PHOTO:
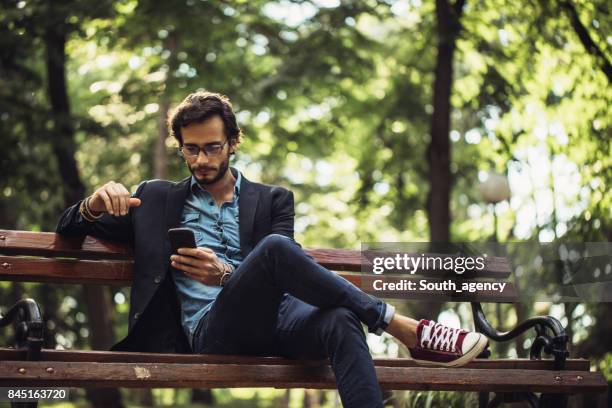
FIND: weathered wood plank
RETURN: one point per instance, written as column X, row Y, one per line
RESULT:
column 118, row 273
column 153, row 375
column 22, row 269
column 50, row 244
column 125, row 357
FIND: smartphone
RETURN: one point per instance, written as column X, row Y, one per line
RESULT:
column 181, row 238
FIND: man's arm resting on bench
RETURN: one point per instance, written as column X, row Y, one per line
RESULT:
column 116, row 228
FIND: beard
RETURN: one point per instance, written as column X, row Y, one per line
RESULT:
column 215, row 174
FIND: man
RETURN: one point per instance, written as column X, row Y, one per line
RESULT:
column 248, row 287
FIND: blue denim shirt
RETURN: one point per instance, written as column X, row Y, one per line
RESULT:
column 215, row 228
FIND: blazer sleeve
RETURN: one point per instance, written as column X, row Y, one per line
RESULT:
column 107, row 227
column 283, row 212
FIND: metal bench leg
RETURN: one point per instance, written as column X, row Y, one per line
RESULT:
column 29, row 328
column 483, row 397
column 550, row 338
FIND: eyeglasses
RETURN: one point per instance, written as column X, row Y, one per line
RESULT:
column 210, row 150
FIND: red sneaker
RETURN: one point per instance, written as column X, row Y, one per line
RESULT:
column 445, row 346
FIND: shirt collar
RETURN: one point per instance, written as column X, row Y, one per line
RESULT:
column 194, row 183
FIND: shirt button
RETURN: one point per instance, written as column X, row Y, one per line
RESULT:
column 136, row 316
column 157, row 279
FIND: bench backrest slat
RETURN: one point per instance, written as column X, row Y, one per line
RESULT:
column 41, row 257
column 120, row 273
column 49, row 244
column 117, row 273
column 55, row 245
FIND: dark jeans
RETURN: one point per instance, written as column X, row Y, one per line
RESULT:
column 281, row 302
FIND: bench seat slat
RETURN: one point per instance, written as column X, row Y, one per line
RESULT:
column 153, row 375
column 130, row 357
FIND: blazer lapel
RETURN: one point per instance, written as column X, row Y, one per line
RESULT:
column 247, row 204
column 177, row 194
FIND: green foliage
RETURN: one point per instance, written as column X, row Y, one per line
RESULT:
column 336, row 104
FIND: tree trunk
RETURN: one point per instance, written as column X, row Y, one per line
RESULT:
column 160, row 166
column 438, row 151
column 101, row 323
column 160, row 170
column 521, row 315
column 312, row 398
column 144, row 396
column 98, row 298
column 284, row 402
column 585, row 38
column 63, row 131
column 202, row 396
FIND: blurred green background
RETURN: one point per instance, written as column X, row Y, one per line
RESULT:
column 384, row 118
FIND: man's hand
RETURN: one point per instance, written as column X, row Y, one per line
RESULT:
column 200, row 264
column 113, row 198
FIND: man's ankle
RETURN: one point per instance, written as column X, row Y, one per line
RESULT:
column 404, row 329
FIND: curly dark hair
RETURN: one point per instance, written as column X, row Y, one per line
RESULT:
column 200, row 106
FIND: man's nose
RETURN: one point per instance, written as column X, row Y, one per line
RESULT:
column 202, row 158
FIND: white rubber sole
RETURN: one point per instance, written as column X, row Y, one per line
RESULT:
column 479, row 346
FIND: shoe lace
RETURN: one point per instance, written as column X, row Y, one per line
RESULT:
column 439, row 337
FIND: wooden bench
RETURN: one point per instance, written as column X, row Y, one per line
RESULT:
column 49, row 257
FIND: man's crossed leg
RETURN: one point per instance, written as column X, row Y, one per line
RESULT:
column 279, row 301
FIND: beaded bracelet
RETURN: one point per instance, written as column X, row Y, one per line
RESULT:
column 86, row 212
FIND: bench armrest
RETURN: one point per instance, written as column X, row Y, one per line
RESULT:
column 550, row 334
column 29, row 326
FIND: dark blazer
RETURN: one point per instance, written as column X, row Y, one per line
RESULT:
column 154, row 319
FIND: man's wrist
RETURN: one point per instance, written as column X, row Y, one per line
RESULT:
column 227, row 273
column 87, row 212
column 96, row 214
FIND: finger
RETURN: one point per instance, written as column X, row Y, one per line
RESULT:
column 123, row 198
column 114, row 196
column 195, row 252
column 201, row 253
column 189, row 269
column 178, row 265
column 107, row 201
column 134, row 202
column 187, row 260
column 187, row 251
